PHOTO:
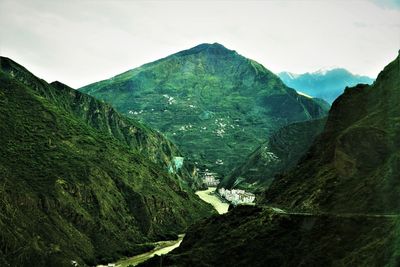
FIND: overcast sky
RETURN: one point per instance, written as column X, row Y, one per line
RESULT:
column 79, row 42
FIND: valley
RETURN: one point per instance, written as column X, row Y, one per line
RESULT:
column 164, row 247
column 81, row 182
column 160, row 248
column 336, row 207
column 203, row 142
column 229, row 133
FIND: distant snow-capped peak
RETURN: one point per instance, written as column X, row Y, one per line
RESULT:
column 325, row 70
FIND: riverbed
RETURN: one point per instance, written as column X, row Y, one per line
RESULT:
column 210, row 197
column 164, row 247
column 161, row 247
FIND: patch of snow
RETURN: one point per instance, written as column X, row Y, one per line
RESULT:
column 324, row 70
column 292, row 76
column 303, row 94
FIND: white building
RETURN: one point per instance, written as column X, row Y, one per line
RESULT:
column 209, row 178
column 237, row 196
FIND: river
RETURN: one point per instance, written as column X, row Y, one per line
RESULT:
column 161, row 247
column 210, row 197
column 164, row 247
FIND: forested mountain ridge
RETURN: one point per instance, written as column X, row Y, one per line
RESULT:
column 208, row 100
column 352, row 167
column 338, row 207
column 79, row 182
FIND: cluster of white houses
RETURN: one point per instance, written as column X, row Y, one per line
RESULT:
column 210, row 178
column 237, row 196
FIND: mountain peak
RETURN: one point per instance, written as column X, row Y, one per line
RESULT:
column 214, row 48
column 209, row 46
column 201, row 98
column 326, row 83
column 327, row 70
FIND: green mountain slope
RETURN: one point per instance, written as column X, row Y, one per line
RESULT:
column 353, row 166
column 80, row 182
column 215, row 104
column 339, row 206
column 327, row 85
column 279, row 154
column 255, row 236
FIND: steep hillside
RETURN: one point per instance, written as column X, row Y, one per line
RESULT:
column 338, row 207
column 279, row 154
column 215, row 104
column 327, row 85
column 353, row 166
column 80, row 182
column 254, row 236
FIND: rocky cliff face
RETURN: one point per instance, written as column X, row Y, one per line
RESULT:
column 215, row 104
column 338, row 207
column 80, row 182
column 278, row 155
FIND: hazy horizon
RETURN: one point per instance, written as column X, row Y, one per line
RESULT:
column 82, row 42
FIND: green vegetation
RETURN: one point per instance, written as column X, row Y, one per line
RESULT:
column 255, row 236
column 160, row 248
column 78, row 181
column 279, row 154
column 338, row 207
column 354, row 164
column 215, row 104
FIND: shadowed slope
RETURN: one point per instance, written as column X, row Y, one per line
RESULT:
column 338, row 207
column 80, row 182
column 354, row 165
column 279, row 154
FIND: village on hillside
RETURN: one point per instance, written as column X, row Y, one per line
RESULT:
column 234, row 196
column 237, row 196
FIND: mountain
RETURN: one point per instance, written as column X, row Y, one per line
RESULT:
column 352, row 166
column 215, row 104
column 279, row 154
column 338, row 207
column 79, row 181
column 324, row 84
column 260, row 236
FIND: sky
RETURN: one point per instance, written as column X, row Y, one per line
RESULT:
column 79, row 42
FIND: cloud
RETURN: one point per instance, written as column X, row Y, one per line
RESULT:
column 78, row 42
column 388, row 4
